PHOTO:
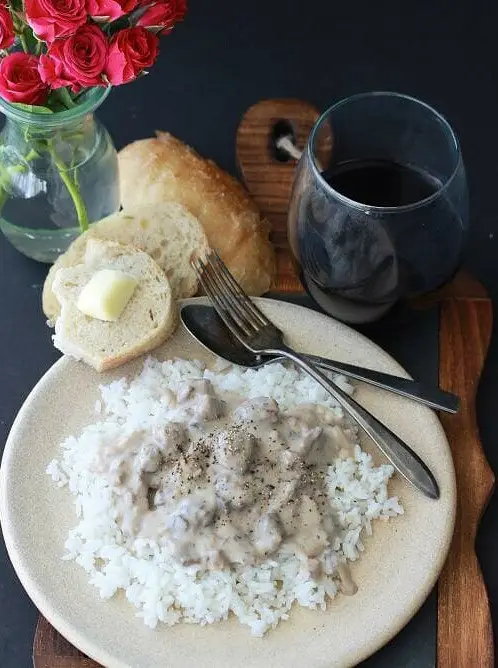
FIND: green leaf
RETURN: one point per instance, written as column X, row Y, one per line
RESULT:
column 32, row 108
column 33, row 43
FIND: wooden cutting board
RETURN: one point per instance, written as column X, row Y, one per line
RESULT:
column 464, row 630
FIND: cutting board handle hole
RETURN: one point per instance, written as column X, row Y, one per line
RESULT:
column 282, row 128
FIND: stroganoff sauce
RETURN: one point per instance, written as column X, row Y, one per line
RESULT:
column 229, row 483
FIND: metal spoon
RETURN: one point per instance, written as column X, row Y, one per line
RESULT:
column 209, row 330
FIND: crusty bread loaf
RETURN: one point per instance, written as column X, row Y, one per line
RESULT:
column 169, row 234
column 147, row 320
column 156, row 171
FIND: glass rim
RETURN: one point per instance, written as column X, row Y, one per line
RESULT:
column 93, row 99
column 366, row 208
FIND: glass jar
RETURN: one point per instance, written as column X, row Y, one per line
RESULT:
column 58, row 173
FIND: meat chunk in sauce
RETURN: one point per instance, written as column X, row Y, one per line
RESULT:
column 268, row 534
column 231, row 490
column 233, row 449
column 172, row 439
column 231, row 484
column 261, row 409
column 192, row 512
column 310, row 534
column 198, row 399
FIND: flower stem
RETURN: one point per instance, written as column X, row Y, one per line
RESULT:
column 24, row 44
column 3, row 196
column 74, row 191
column 66, row 98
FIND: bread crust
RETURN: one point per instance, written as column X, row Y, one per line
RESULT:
column 143, row 229
column 163, row 169
column 107, row 345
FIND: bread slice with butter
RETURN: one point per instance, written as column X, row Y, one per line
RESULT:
column 168, row 233
column 147, row 319
column 106, row 294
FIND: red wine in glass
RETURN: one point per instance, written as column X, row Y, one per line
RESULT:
column 366, row 232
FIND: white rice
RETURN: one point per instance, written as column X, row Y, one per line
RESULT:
column 161, row 589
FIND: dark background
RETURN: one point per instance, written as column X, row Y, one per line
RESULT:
column 228, row 55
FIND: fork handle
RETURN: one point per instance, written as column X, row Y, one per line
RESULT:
column 402, row 457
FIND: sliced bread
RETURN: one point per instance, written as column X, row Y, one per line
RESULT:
column 164, row 169
column 147, row 320
column 168, row 233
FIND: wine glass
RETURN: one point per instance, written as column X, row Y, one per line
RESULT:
column 379, row 206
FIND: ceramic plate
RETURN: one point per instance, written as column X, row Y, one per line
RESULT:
column 397, row 572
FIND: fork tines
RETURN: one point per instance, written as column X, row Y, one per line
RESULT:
column 230, row 301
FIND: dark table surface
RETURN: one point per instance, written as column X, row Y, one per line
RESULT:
column 227, row 56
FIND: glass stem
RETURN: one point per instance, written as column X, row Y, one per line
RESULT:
column 74, row 191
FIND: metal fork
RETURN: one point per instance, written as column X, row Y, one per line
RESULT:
column 253, row 329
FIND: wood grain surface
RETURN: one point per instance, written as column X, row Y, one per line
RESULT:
column 465, row 635
column 51, row 650
column 270, row 180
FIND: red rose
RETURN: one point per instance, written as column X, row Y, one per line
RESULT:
column 109, row 10
column 180, row 9
column 20, row 80
column 78, row 61
column 130, row 52
column 163, row 15
column 52, row 72
column 7, row 36
column 51, row 19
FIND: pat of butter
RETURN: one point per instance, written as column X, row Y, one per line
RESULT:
column 106, row 294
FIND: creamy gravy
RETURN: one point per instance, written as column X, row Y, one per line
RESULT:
column 229, row 483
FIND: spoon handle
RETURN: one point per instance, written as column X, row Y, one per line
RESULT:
column 401, row 456
column 429, row 396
